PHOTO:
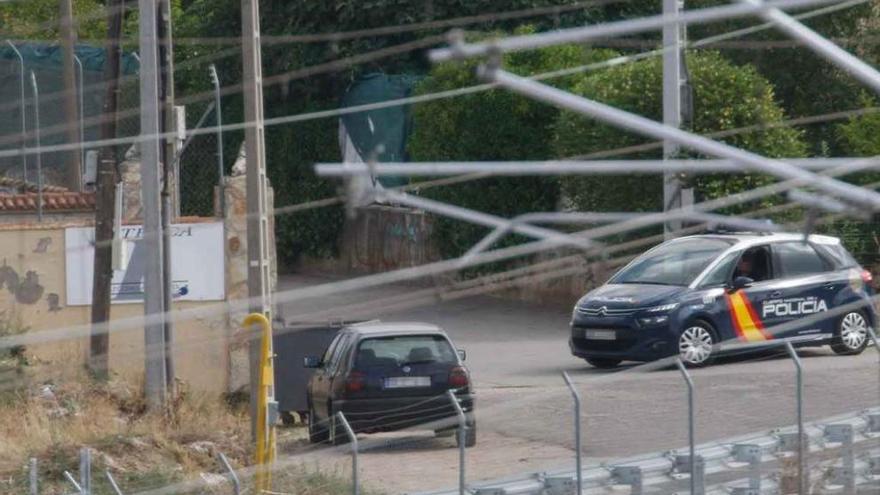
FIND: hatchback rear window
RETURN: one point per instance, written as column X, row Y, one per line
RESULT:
column 404, row 350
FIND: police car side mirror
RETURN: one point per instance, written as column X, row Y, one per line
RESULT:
column 462, row 354
column 741, row 283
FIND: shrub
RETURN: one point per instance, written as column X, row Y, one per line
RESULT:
column 490, row 125
column 726, row 96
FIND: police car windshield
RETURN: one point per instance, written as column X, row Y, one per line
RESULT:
column 676, row 263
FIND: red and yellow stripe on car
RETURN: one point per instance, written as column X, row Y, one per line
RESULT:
column 745, row 319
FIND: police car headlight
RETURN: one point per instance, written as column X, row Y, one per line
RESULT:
column 653, row 320
column 662, row 309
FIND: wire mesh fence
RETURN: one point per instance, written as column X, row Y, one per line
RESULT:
column 198, row 168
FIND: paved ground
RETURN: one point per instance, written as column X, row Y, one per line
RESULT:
column 516, row 353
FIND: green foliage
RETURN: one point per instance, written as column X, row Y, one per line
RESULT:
column 291, row 151
column 726, row 97
column 39, row 19
column 860, row 135
column 11, row 325
column 491, row 125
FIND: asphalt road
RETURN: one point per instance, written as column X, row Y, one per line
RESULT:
column 516, row 353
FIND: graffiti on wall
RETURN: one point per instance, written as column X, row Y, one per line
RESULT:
column 384, row 239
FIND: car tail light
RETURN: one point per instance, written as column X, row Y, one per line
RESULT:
column 458, row 377
column 867, row 277
column 355, row 382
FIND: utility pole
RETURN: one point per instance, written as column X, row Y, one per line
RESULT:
column 154, row 330
column 166, row 61
column 259, row 290
column 105, row 198
column 73, row 171
column 673, row 89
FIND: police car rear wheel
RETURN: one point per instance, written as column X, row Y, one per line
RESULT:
column 695, row 345
column 852, row 334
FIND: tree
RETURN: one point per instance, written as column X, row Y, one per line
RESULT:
column 490, row 125
column 726, row 96
column 38, row 19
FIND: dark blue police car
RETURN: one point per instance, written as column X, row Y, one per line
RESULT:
column 689, row 295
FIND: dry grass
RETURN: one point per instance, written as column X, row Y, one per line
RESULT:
column 52, row 421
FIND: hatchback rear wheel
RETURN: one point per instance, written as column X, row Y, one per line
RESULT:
column 852, row 334
column 696, row 344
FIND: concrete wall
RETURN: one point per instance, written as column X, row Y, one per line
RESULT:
column 33, row 292
column 210, row 350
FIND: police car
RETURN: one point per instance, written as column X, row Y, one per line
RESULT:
column 694, row 296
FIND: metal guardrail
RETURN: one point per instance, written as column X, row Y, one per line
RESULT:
column 745, row 465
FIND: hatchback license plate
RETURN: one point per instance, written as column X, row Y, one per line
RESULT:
column 408, row 382
column 600, row 334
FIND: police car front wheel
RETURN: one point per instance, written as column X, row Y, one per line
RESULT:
column 696, row 344
column 852, row 334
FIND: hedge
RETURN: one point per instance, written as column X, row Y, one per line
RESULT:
column 490, row 125
column 726, row 96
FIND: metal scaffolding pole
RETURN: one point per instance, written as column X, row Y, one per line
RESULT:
column 672, row 85
column 571, row 167
column 22, row 109
column 154, row 332
column 648, row 127
column 821, row 45
column 584, row 34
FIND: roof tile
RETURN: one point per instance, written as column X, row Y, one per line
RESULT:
column 52, row 201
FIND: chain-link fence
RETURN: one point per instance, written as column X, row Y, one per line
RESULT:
column 198, row 167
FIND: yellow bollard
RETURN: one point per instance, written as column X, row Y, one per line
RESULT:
column 265, row 452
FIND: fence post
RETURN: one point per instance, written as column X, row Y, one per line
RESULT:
column 695, row 467
column 873, row 335
column 462, row 426
column 113, row 483
column 577, row 430
column 82, row 131
column 802, row 472
column 39, row 149
column 215, row 79
column 22, row 108
column 85, row 470
column 32, row 471
column 236, row 483
column 750, row 453
column 354, row 451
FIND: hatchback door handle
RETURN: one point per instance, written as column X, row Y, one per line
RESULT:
column 776, row 294
column 829, row 286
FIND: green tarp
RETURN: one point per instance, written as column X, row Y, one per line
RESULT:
column 381, row 133
column 46, row 63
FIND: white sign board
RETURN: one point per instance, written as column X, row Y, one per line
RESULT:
column 197, row 264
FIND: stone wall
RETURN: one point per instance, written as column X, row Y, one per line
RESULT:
column 33, row 296
column 237, row 273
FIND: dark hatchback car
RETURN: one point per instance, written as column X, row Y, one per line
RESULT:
column 699, row 296
column 386, row 377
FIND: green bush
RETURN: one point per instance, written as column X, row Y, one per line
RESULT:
column 490, row 125
column 291, row 152
column 859, row 136
column 726, row 96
